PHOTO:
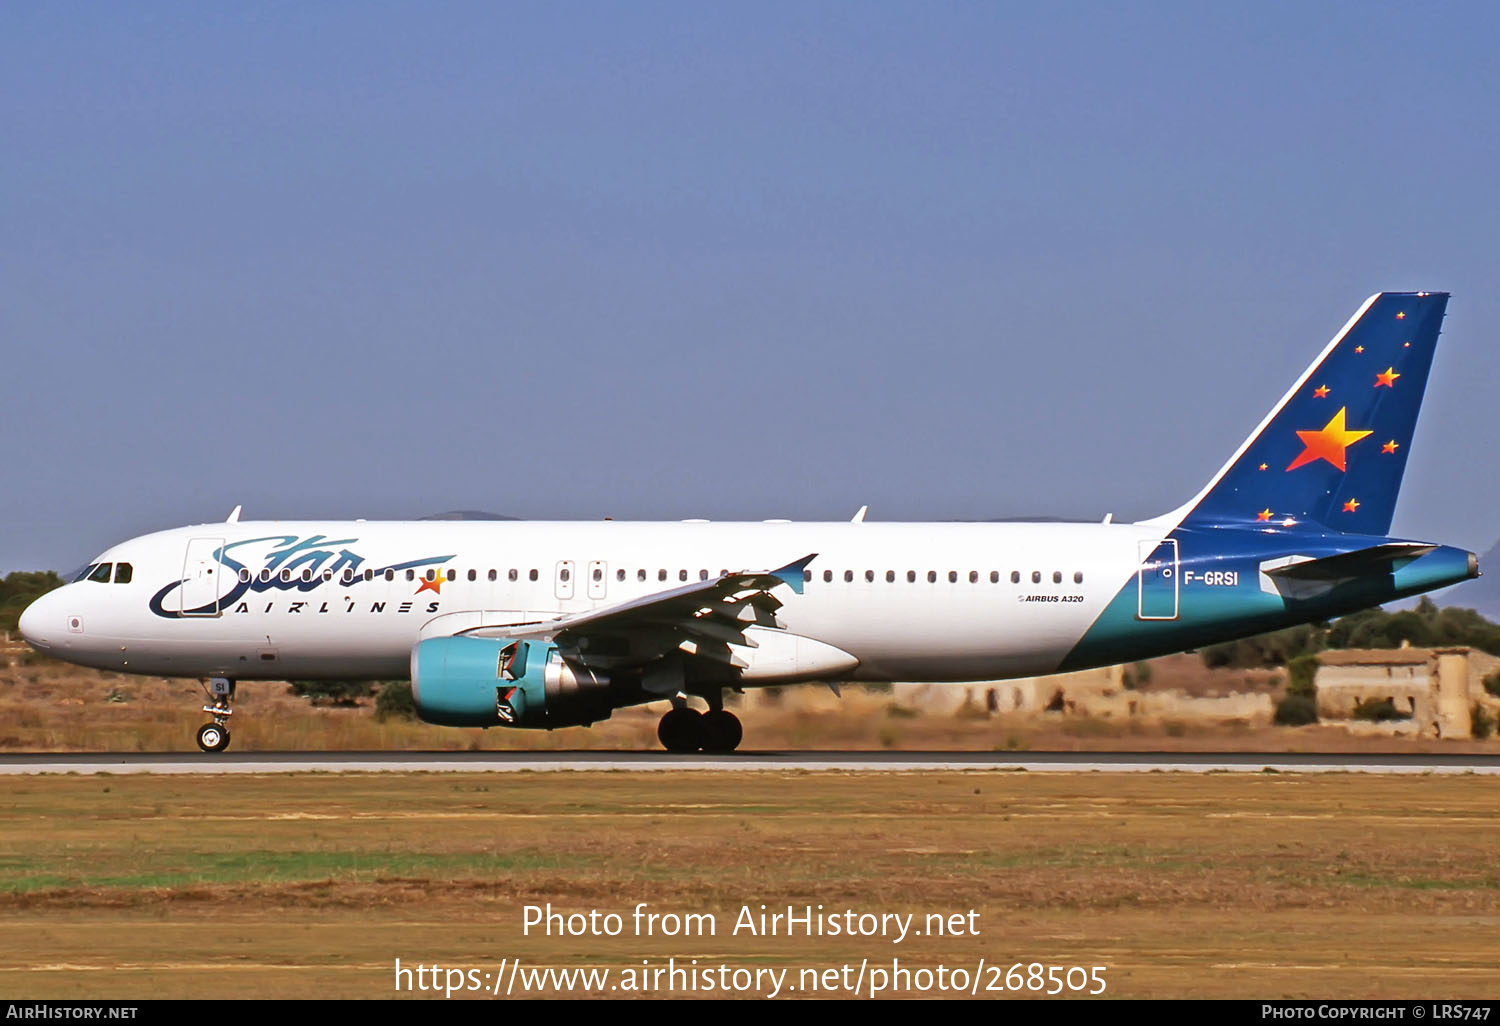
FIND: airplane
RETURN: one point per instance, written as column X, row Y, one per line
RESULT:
column 556, row 624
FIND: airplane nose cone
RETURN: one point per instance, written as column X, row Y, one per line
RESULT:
column 36, row 624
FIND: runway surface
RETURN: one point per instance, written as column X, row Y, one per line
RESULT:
column 847, row 762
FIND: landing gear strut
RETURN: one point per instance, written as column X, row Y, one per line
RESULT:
column 214, row 737
column 716, row 732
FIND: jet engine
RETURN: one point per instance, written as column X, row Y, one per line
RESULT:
column 483, row 682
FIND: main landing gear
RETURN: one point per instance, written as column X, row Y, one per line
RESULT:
column 214, row 737
column 685, row 729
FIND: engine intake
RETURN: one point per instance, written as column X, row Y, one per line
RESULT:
column 482, row 682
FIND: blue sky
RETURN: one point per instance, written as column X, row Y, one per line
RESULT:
column 956, row 261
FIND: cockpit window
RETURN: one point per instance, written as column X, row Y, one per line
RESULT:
column 123, row 573
column 101, row 573
column 83, row 574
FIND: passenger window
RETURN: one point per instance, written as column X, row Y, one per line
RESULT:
column 661, row 575
column 494, row 575
column 890, row 577
column 682, row 575
column 473, row 575
column 1036, row 577
column 702, row 575
column 640, row 574
column 411, row 575
column 952, row 576
column 390, row 575
column 453, row 575
column 327, row 575
column 286, row 575
column 973, row 576
column 431, row 575
column 932, row 577
column 619, row 575
column 827, row 576
column 1057, row 577
column 911, row 577
column 869, row 576
column 994, row 576
column 245, row 575
column 806, row 575
column 123, row 572
column 1078, row 577
column 564, row 574
column 1015, row 577
column 370, row 574
column 531, row 575
column 306, row 576
column 848, row 576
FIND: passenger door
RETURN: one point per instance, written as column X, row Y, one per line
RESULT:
column 1157, row 581
column 201, row 571
column 564, row 579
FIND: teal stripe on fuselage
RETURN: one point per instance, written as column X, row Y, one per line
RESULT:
column 1209, row 614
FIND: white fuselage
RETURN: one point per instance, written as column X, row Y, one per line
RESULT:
column 936, row 602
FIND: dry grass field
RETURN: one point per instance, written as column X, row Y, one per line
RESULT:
column 1181, row 885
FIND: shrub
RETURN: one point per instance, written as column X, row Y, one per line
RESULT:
column 333, row 692
column 1264, row 650
column 1492, row 684
column 1299, row 676
column 1297, row 710
column 1481, row 722
column 1137, row 675
column 394, row 701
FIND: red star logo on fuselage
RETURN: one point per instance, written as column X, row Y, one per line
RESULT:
column 1328, row 444
column 435, row 585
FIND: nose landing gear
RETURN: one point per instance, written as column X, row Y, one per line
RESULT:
column 214, row 737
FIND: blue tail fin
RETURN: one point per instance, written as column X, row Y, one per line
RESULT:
column 1334, row 449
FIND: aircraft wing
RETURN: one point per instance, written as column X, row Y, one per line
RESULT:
column 702, row 618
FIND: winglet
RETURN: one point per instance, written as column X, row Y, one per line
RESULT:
column 859, row 517
column 234, row 516
column 792, row 573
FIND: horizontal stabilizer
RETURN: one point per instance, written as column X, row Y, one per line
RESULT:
column 1361, row 562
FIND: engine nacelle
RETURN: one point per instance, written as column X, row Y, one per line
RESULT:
column 481, row 682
